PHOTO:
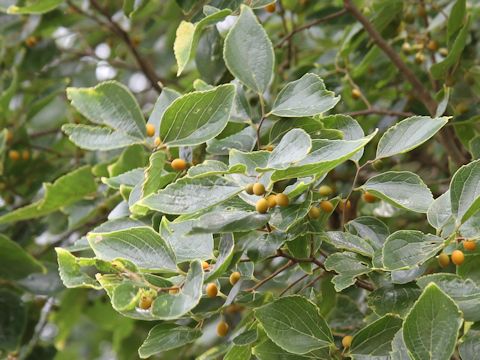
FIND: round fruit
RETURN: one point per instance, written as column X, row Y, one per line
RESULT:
column 25, row 155
column 205, row 265
column 326, row 206
column 325, row 190
column 212, row 290
column 347, row 341
column 443, row 260
column 234, row 277
column 469, row 245
column 270, row 8
column 344, row 205
column 369, row 197
column 419, row 58
column 150, row 130
column 314, row 212
column 174, row 290
column 14, row 155
column 31, row 41
column 262, row 206
column 179, row 164
column 249, row 189
column 406, row 47
column 356, row 93
column 378, row 165
column 222, row 328
column 258, row 189
column 443, row 51
column 458, row 257
column 282, row 200
column 269, row 147
column 145, row 302
column 432, row 45
column 272, row 201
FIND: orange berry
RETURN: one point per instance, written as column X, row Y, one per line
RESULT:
column 419, row 58
column 234, row 277
column 150, row 130
column 326, row 206
column 222, row 329
column 325, row 190
column 347, row 341
column 258, row 189
column 432, row 45
column 443, row 260
column 356, row 94
column 14, row 155
column 249, row 189
column 271, row 7
column 205, row 265
column 282, row 199
column 344, row 205
column 269, row 147
column 262, row 206
column 25, row 155
column 369, row 197
column 469, row 245
column 145, row 302
column 272, row 201
column 314, row 212
column 31, row 41
column 211, row 290
column 179, row 164
column 457, row 257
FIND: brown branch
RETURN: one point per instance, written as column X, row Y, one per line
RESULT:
column 290, row 263
column 447, row 135
column 309, row 25
column 143, row 63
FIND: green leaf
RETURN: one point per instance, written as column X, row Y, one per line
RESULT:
column 39, row 7
column 294, row 324
column 13, row 320
column 237, row 352
column 440, row 69
column 283, row 218
column 15, row 262
column 346, row 241
column 188, row 35
column 306, row 96
column 376, row 338
column 465, row 191
column 214, row 167
column 325, row 155
column 146, row 248
column 165, row 337
column 189, row 195
column 406, row 248
column 246, row 338
column 243, row 141
column 168, row 307
column 470, row 346
column 402, row 189
column 395, row 299
column 408, row 134
column 65, row 191
column 465, row 293
column 348, row 266
column 349, row 127
column 197, row 117
column 293, row 147
column 224, row 258
column 129, row 178
column 153, row 173
column 399, row 349
column 70, row 271
column 248, row 52
column 431, row 328
column 370, row 228
column 186, row 246
column 163, row 102
column 225, row 221
column 456, row 18
column 440, row 211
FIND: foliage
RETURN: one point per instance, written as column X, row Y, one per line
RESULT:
column 271, row 180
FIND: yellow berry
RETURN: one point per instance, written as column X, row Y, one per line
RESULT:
column 443, row 260
column 211, row 290
column 347, row 341
column 179, row 164
column 457, row 257
column 205, row 265
column 282, row 199
column 145, row 302
column 249, row 189
column 356, row 94
column 272, row 201
column 222, row 329
column 25, row 155
column 150, row 130
column 469, row 245
column 325, row 190
column 262, row 206
column 157, row 142
column 369, row 197
column 314, row 212
column 234, row 277
column 14, row 155
column 258, row 189
column 419, row 58
column 31, row 41
column 432, row 45
column 326, row 206
column 269, row 147
column 270, row 8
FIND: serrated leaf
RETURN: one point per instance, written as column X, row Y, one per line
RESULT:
column 470, row 346
column 165, row 337
column 224, row 258
column 15, row 262
column 188, row 35
column 146, row 248
column 243, row 141
column 399, row 349
column 153, row 173
column 325, row 155
column 197, row 117
column 348, row 266
column 129, row 178
column 349, row 127
column 267, row 350
column 214, row 167
column 402, row 189
column 163, row 102
column 186, row 246
column 70, row 271
column 293, row 147
column 189, row 195
column 405, row 249
column 369, row 227
column 465, row 293
column 294, row 324
column 167, row 306
column 346, row 241
column 306, row 96
column 376, row 338
column 431, row 328
column 66, row 190
column 396, row 299
column 237, row 352
column 226, row 221
column 440, row 212
column 408, row 134
column 465, row 191
column 284, row 218
column 248, row 52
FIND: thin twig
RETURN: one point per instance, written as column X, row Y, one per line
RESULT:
column 290, row 263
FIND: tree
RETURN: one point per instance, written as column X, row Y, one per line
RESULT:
column 275, row 179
